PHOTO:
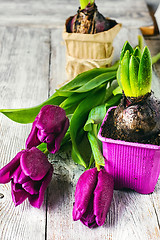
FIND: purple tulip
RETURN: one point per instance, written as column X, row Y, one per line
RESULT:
column 93, row 196
column 49, row 127
column 29, row 173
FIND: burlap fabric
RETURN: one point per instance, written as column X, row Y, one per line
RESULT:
column 87, row 51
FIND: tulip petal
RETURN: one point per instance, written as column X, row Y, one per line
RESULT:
column 88, row 217
column 31, row 187
column 34, row 164
column 51, row 118
column 42, row 135
column 16, row 187
column 103, row 195
column 7, row 171
column 32, row 140
column 37, row 200
column 84, row 189
column 18, row 196
column 54, row 146
column 22, row 178
column 16, row 174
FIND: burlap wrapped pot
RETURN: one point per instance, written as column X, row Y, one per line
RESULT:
column 87, row 51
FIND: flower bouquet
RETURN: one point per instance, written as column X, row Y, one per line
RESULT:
column 71, row 118
column 89, row 39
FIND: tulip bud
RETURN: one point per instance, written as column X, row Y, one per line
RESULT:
column 49, row 127
column 93, row 196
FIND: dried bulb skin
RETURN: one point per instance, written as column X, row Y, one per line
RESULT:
column 89, row 21
column 137, row 118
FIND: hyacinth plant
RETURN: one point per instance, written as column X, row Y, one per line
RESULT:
column 88, row 20
column 134, row 73
column 137, row 118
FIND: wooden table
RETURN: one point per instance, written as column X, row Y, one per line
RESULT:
column 32, row 65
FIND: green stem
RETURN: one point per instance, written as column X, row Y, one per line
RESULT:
column 155, row 58
column 92, row 137
column 46, row 152
column 95, row 129
column 97, row 166
column 140, row 42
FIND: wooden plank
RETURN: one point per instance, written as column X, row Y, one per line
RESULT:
column 49, row 14
column 58, row 60
column 24, row 64
column 131, row 216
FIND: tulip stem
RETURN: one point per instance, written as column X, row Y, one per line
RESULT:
column 97, row 166
column 46, row 152
column 95, row 129
column 155, row 58
column 97, row 154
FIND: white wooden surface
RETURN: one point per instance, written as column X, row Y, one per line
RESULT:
column 52, row 13
column 23, row 81
column 32, row 65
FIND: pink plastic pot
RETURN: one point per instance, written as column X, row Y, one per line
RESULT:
column 133, row 165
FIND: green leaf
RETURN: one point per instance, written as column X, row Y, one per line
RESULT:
column 74, row 99
column 99, row 159
column 133, row 74
column 91, row 161
column 84, row 150
column 137, row 53
column 117, row 90
column 84, row 3
column 145, row 72
column 63, row 93
column 84, row 78
column 113, row 101
column 96, row 116
column 96, row 82
column 126, row 47
column 110, row 88
column 80, row 116
column 77, row 158
column 119, row 76
column 27, row 115
column 66, row 138
column 124, row 74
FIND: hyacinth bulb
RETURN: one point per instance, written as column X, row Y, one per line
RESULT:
column 89, row 21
